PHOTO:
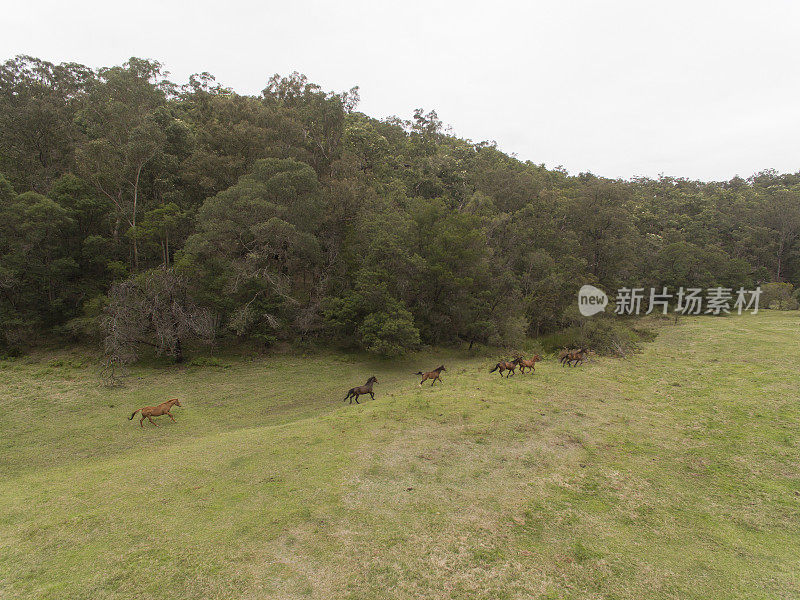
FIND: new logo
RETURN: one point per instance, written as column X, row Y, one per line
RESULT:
column 591, row 300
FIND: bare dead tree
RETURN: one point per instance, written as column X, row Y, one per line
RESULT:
column 153, row 309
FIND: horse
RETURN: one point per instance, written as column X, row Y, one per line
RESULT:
column 525, row 363
column 562, row 356
column 148, row 412
column 436, row 375
column 354, row 393
column 576, row 356
column 505, row 365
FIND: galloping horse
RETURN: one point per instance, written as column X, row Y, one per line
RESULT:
column 562, row 356
column 354, row 393
column 156, row 411
column 505, row 365
column 435, row 375
column 525, row 363
column 570, row 356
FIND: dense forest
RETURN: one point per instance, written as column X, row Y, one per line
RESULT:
column 151, row 214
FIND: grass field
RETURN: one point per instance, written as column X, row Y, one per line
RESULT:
column 673, row 474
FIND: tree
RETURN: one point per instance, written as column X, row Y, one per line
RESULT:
column 38, row 288
column 123, row 136
column 256, row 255
column 153, row 309
column 38, row 133
column 782, row 216
column 602, row 220
column 320, row 115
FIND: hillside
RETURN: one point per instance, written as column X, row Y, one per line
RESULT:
column 673, row 474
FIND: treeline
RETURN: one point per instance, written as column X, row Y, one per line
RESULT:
column 149, row 213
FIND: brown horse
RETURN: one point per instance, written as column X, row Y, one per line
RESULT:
column 148, row 412
column 436, row 375
column 505, row 365
column 354, row 393
column 574, row 356
column 525, row 363
column 562, row 356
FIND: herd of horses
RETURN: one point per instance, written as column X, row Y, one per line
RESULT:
column 567, row 357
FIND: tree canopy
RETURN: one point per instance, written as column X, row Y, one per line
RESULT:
column 291, row 215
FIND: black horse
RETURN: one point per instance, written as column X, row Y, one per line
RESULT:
column 355, row 392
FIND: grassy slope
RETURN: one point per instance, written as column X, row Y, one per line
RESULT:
column 670, row 475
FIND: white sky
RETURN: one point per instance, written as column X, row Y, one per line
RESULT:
column 700, row 89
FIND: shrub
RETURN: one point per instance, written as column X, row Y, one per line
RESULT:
column 778, row 296
column 389, row 333
column 603, row 334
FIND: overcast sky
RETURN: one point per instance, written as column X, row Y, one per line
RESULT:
column 699, row 89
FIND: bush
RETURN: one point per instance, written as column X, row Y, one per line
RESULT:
column 603, row 334
column 778, row 296
column 389, row 333
column 510, row 331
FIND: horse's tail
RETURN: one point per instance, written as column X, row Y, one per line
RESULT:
column 417, row 373
column 133, row 414
column 497, row 366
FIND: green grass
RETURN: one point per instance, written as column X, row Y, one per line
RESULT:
column 673, row 474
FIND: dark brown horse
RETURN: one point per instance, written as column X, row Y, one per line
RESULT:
column 574, row 357
column 436, row 375
column 529, row 363
column 354, row 393
column 148, row 412
column 505, row 365
column 562, row 356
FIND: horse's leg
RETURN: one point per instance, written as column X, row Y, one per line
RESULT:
column 153, row 422
column 140, row 421
column 356, row 397
column 169, row 414
column 371, row 395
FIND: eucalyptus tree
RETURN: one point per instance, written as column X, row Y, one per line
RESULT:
column 38, row 134
column 256, row 255
column 123, row 137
